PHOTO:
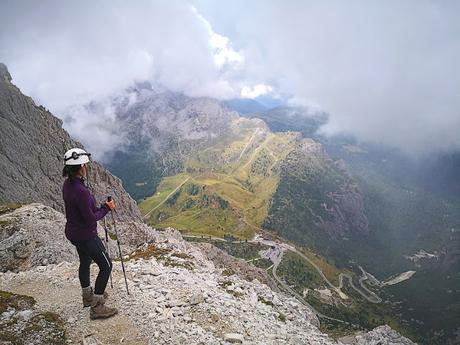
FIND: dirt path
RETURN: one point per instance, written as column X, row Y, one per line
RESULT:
column 249, row 142
column 167, row 197
column 63, row 296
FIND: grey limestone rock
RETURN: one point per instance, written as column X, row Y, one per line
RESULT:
column 32, row 144
column 382, row 335
column 33, row 235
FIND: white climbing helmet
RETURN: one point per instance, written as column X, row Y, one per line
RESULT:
column 76, row 156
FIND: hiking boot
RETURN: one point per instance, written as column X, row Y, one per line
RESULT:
column 99, row 310
column 87, row 296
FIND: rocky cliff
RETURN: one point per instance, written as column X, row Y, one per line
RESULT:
column 23, row 244
column 32, row 144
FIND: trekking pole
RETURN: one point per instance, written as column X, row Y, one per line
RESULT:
column 109, row 198
column 108, row 248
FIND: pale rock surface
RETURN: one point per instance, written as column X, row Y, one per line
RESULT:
column 382, row 335
column 33, row 235
column 177, row 295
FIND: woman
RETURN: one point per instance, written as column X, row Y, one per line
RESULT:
column 81, row 230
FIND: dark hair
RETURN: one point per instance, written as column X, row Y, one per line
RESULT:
column 70, row 170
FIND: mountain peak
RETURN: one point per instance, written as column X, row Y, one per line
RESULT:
column 4, row 74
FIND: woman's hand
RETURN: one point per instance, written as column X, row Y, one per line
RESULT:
column 110, row 204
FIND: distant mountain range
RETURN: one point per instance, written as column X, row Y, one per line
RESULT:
column 238, row 160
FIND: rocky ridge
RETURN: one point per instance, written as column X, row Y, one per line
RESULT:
column 317, row 200
column 23, row 244
column 176, row 296
column 33, row 235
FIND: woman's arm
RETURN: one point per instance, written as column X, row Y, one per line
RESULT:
column 88, row 210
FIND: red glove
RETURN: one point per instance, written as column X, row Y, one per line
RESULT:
column 110, row 204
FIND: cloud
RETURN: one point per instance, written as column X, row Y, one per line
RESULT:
column 68, row 54
column 386, row 71
column 255, row 91
column 222, row 50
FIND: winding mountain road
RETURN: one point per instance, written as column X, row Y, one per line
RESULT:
column 370, row 296
column 297, row 295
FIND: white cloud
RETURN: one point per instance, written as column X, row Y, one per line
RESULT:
column 222, row 50
column 223, row 54
column 87, row 51
column 386, row 71
column 255, row 91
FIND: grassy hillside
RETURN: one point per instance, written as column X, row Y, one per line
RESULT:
column 250, row 179
column 226, row 187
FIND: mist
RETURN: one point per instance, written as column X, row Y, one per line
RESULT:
column 385, row 71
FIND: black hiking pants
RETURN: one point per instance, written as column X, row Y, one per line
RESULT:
column 93, row 250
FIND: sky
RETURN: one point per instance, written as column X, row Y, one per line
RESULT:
column 385, row 71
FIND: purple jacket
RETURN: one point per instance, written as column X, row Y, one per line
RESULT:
column 80, row 210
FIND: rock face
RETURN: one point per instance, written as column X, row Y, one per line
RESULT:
column 451, row 257
column 32, row 144
column 347, row 208
column 33, row 235
column 162, row 115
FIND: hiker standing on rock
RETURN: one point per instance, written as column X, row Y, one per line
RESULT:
column 81, row 230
